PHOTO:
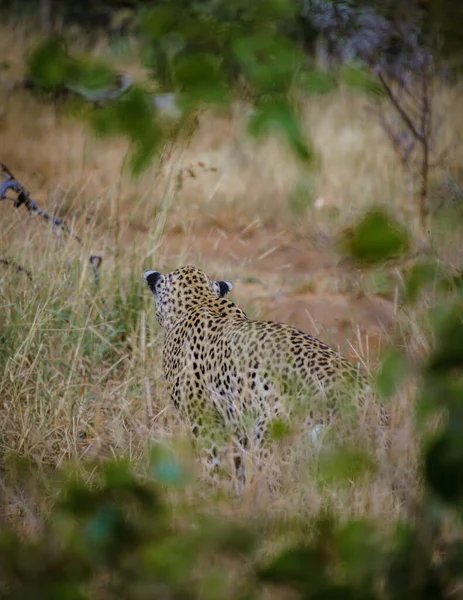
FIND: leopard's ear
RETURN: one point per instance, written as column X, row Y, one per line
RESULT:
column 151, row 278
column 224, row 288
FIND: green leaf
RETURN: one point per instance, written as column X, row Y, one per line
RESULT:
column 317, row 81
column 170, row 560
column 392, row 371
column 278, row 116
column 279, row 429
column 165, row 467
column 345, row 465
column 444, row 465
column 104, row 525
column 359, row 552
column 49, row 64
column 92, row 76
column 419, row 276
column 159, row 20
column 268, row 62
column 377, row 237
column 298, row 567
column 361, row 79
column 448, row 352
column 132, row 115
column 200, row 79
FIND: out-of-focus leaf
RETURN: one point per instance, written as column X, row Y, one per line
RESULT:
column 439, row 393
column 49, row 64
column 132, row 115
column 279, row 429
column 200, row 78
column 448, row 352
column 392, row 372
column 419, row 276
column 409, row 570
column 172, row 559
column 102, row 528
column 345, row 465
column 159, row 20
column 165, row 467
column 269, row 63
column 92, row 76
column 444, row 465
column 361, row 79
column 278, row 116
column 359, row 552
column 377, row 237
column 299, row 568
column 452, row 283
column 317, row 81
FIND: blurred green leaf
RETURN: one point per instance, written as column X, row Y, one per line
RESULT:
column 360, row 553
column 317, row 81
column 165, row 467
column 444, row 465
column 448, row 351
column 132, row 115
column 377, row 237
column 269, row 63
column 171, row 560
column 345, row 465
column 105, row 525
column 299, row 567
column 279, row 429
column 49, row 64
column 392, row 371
column 91, row 76
column 409, row 570
column 419, row 276
column 200, row 79
column 439, row 394
column 159, row 20
column 361, row 79
column 278, row 116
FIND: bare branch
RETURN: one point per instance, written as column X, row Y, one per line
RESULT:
column 19, row 269
column 406, row 118
column 23, row 197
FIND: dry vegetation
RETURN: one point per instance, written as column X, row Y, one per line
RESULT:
column 80, row 370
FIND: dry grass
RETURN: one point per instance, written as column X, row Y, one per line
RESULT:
column 80, row 371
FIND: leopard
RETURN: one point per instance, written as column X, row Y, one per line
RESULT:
column 237, row 381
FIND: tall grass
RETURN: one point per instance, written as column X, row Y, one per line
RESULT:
column 80, row 368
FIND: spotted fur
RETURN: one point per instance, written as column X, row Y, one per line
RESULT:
column 232, row 377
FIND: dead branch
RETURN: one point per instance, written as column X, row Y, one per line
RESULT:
column 10, row 182
column 23, row 197
column 408, row 120
column 19, row 269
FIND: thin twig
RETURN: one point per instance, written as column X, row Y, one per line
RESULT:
column 406, row 118
column 23, row 197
